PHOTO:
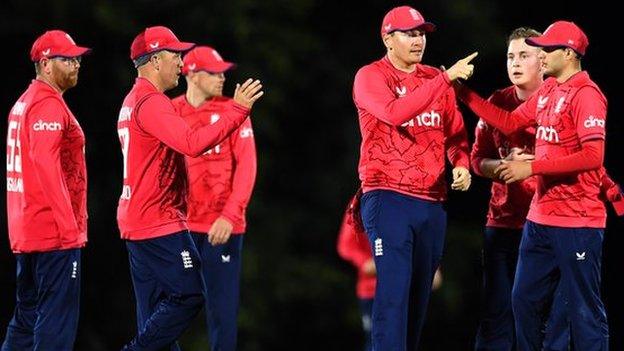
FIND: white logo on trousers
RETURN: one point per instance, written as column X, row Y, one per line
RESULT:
column 186, row 259
column 378, row 247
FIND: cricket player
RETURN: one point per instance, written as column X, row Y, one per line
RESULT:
column 164, row 263
column 46, row 200
column 353, row 246
column 220, row 181
column 561, row 243
column 509, row 203
column 409, row 121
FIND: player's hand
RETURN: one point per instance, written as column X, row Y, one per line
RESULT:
column 519, row 154
column 462, row 69
column 513, row 171
column 461, row 179
column 248, row 93
column 369, row 267
column 220, row 231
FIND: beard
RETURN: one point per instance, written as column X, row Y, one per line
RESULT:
column 68, row 80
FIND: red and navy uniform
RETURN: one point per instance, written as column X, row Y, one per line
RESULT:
column 353, row 246
column 562, row 239
column 508, row 207
column 409, row 123
column 220, row 182
column 47, row 217
column 164, row 261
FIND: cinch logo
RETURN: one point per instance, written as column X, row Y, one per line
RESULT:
column 426, row 119
column 378, row 247
column 547, row 133
column 580, row 256
column 592, row 121
column 51, row 126
column 225, row 258
column 18, row 108
column 186, row 259
column 246, row 133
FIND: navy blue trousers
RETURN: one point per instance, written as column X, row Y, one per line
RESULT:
column 168, row 287
column 366, row 310
column 500, row 254
column 407, row 237
column 558, row 274
column 48, row 302
column 221, row 271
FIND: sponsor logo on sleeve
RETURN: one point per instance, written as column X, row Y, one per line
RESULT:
column 246, row 133
column 592, row 122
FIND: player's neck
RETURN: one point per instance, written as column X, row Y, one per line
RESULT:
column 568, row 72
column 152, row 77
column 400, row 64
column 195, row 97
column 50, row 82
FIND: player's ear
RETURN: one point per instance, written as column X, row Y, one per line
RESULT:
column 387, row 40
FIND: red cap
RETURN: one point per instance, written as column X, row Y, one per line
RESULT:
column 562, row 34
column 155, row 39
column 404, row 18
column 55, row 43
column 205, row 58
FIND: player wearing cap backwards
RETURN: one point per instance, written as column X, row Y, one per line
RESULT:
column 409, row 121
column 46, row 200
column 220, row 184
column 562, row 237
column 164, row 262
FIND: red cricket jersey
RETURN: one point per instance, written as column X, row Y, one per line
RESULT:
column 154, row 140
column 565, row 115
column 408, row 121
column 46, row 173
column 509, row 203
column 353, row 246
column 221, row 180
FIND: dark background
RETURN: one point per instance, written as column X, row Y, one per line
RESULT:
column 296, row 293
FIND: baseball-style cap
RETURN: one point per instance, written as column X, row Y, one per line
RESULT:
column 562, row 34
column 54, row 43
column 405, row 18
column 205, row 58
column 154, row 39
